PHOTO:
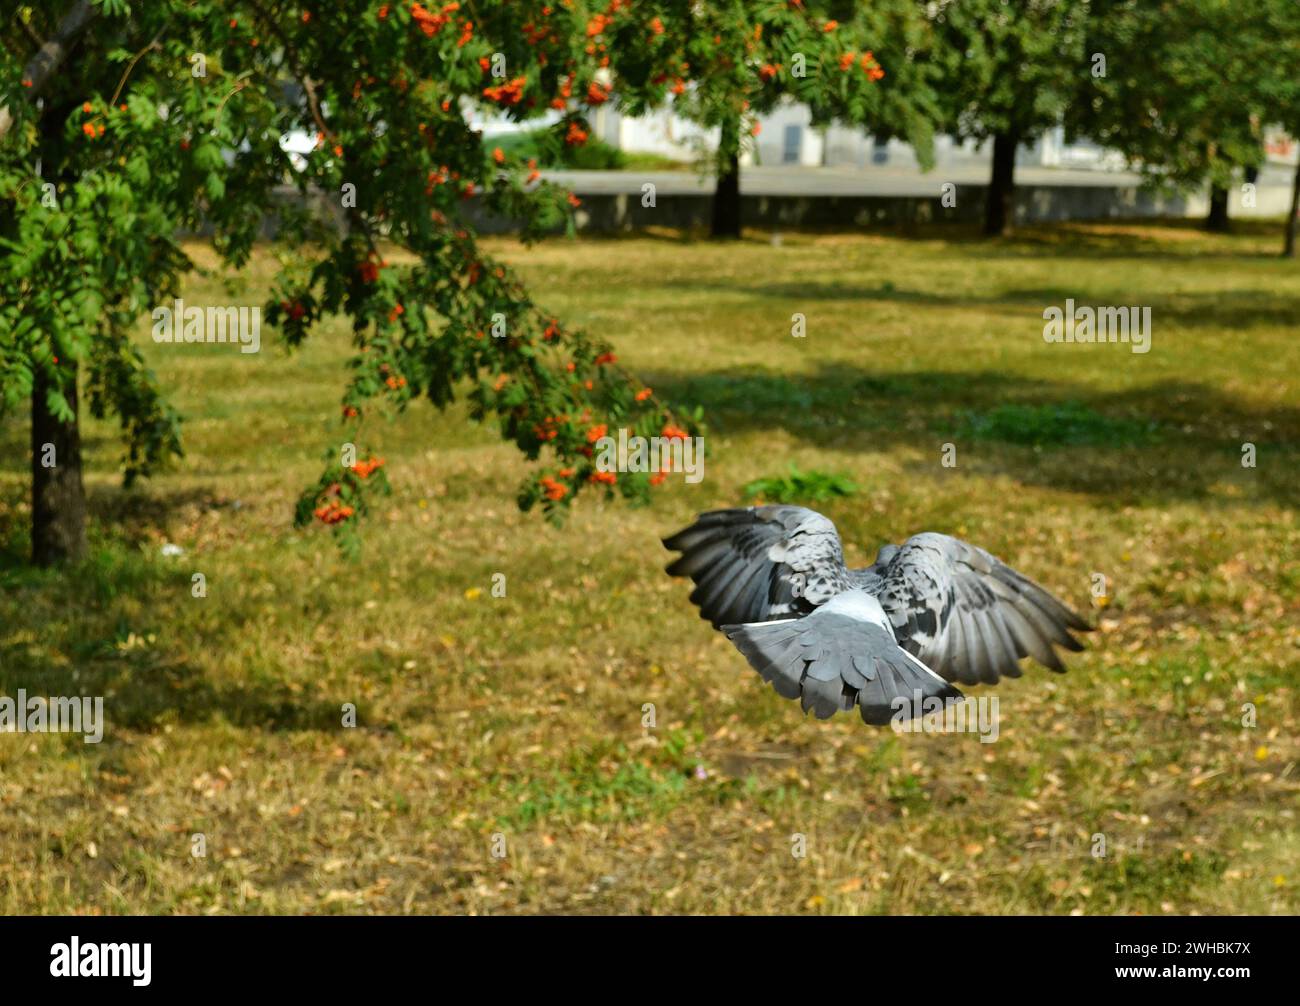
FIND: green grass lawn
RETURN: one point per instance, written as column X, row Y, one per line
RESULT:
column 521, row 717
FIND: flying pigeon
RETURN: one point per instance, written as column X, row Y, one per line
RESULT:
column 887, row 638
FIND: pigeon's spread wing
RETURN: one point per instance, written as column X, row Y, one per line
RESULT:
column 842, row 655
column 969, row 616
column 756, row 564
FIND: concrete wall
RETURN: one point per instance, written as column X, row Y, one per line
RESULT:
column 615, row 212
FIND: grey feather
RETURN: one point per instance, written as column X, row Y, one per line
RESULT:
column 843, row 654
column 773, row 579
column 969, row 616
column 756, row 564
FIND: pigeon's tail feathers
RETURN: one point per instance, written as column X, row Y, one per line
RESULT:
column 833, row 660
column 917, row 690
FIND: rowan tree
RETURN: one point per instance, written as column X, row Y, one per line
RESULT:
column 124, row 123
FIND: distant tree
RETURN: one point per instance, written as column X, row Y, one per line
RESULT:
column 1186, row 94
column 1281, row 92
column 736, row 60
column 1293, row 215
column 1008, row 72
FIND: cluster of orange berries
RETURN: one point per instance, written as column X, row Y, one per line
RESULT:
column 545, row 430
column 368, row 467
column 576, row 136
column 566, row 91
column 605, row 358
column 533, row 34
column 658, row 477
column 868, row 63
column 92, row 129
column 552, row 331
column 769, row 71
column 596, row 432
column 644, row 393
column 597, row 94
column 555, row 490
column 672, row 432
column 295, row 310
column 509, row 93
column 439, row 177
column 429, row 22
column 333, row 512
column 369, row 270
column 395, row 382
column 607, row 477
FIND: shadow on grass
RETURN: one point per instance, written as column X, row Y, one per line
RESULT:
column 1138, row 238
column 1227, row 311
column 1172, row 440
column 135, row 516
column 1119, row 238
column 16, row 447
column 134, row 513
column 89, row 629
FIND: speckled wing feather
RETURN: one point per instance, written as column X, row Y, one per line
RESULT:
column 968, row 615
column 755, row 564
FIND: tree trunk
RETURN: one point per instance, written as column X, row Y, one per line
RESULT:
column 58, row 497
column 1217, row 219
column 1288, row 247
column 726, row 193
column 1000, row 204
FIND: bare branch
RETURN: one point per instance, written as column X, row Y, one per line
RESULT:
column 122, row 83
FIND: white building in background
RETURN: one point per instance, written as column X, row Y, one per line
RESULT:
column 787, row 137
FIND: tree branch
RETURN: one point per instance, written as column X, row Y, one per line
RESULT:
column 41, row 66
column 122, row 83
column 356, row 220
